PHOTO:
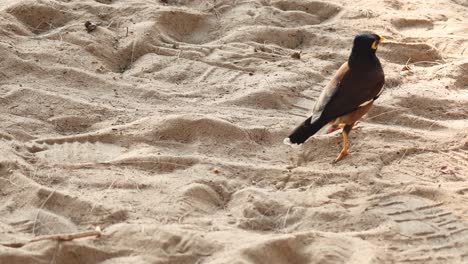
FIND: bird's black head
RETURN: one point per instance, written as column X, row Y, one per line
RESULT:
column 363, row 52
column 367, row 42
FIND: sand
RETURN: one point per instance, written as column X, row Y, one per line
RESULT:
column 164, row 128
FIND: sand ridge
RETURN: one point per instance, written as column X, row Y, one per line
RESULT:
column 164, row 128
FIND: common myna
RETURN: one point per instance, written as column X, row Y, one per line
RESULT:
column 348, row 96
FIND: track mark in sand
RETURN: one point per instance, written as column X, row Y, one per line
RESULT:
column 73, row 123
column 281, row 250
column 5, row 90
column 448, row 167
column 106, row 2
column 213, row 73
column 41, row 222
column 167, row 244
column 291, row 38
column 434, row 108
column 84, row 151
column 460, row 2
column 194, row 28
column 460, row 157
column 381, row 114
column 159, row 163
column 194, row 128
column 210, row 71
column 236, row 76
column 302, row 248
column 256, row 210
column 399, row 116
column 80, row 138
column 53, row 252
column 264, row 99
column 173, row 128
column 415, row 52
column 79, row 152
column 50, row 109
column 412, row 23
column 279, row 91
column 40, row 18
column 427, row 226
column 322, row 10
column 458, row 71
column 202, row 198
column 39, row 209
column 161, row 67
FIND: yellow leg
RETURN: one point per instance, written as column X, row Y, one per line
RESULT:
column 344, row 151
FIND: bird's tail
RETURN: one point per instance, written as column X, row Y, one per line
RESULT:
column 305, row 130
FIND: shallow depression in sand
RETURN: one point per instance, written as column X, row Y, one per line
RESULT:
column 76, row 152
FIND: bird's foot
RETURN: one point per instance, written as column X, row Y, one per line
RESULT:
column 356, row 125
column 342, row 154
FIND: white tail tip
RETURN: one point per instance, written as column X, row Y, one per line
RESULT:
column 287, row 141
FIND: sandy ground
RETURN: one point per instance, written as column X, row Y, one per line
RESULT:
column 164, row 128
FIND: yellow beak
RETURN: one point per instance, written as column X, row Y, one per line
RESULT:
column 381, row 38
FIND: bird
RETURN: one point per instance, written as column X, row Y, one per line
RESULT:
column 348, row 96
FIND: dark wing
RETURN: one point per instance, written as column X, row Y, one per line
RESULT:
column 315, row 122
column 328, row 92
column 355, row 89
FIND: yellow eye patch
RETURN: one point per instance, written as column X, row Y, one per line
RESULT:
column 374, row 44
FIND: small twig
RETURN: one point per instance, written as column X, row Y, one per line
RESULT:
column 35, row 173
column 11, row 181
column 433, row 123
column 55, row 253
column 68, row 237
column 133, row 51
column 58, row 237
column 307, row 97
column 404, row 154
column 110, row 24
column 407, row 66
column 38, row 25
column 391, row 111
column 104, row 193
column 182, row 217
column 286, row 217
column 39, row 211
column 268, row 83
column 429, row 62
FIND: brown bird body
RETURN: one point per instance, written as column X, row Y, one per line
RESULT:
column 349, row 95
